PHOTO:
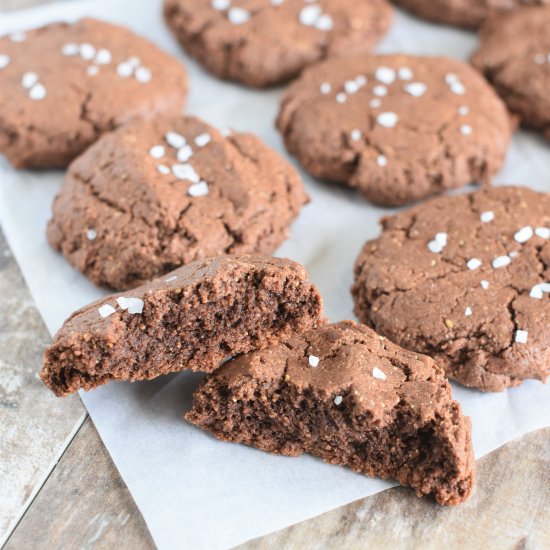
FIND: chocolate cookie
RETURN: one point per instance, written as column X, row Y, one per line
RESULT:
column 193, row 319
column 515, row 57
column 350, row 397
column 267, row 42
column 64, row 85
column 465, row 279
column 397, row 127
column 465, row 13
column 162, row 192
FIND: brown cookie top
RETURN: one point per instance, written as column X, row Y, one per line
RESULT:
column 465, row 279
column 396, row 127
column 349, row 361
column 465, row 13
column 515, row 57
column 162, row 192
column 345, row 394
column 193, row 318
column 267, row 42
column 95, row 74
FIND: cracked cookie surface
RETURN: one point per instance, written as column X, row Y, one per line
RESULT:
column 514, row 55
column 396, row 127
column 193, row 319
column 64, row 85
column 162, row 192
column 268, row 42
column 350, row 397
column 465, row 13
column 466, row 280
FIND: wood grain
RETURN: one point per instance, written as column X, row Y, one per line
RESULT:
column 509, row 509
column 34, row 425
column 85, row 504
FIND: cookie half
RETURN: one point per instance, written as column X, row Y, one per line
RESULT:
column 465, row 279
column 464, row 13
column 350, row 397
column 194, row 319
column 166, row 191
column 514, row 55
column 64, row 85
column 396, row 127
column 262, row 42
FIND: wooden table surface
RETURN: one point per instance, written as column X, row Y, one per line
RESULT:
column 60, row 489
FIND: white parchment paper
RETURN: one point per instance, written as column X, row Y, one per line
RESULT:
column 193, row 491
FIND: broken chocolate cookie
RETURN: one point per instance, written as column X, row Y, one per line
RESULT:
column 350, row 397
column 194, row 318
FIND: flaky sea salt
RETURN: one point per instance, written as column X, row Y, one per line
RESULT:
column 473, row 264
column 199, row 189
column 524, row 234
column 105, row 310
column 501, row 261
column 379, row 374
column 157, row 151
column 313, row 361
column 175, row 140
column 203, row 139
column 132, row 305
column 522, row 336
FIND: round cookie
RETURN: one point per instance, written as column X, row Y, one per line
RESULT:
column 266, row 42
column 464, row 13
column 397, row 127
column 515, row 57
column 63, row 85
column 465, row 279
column 159, row 193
